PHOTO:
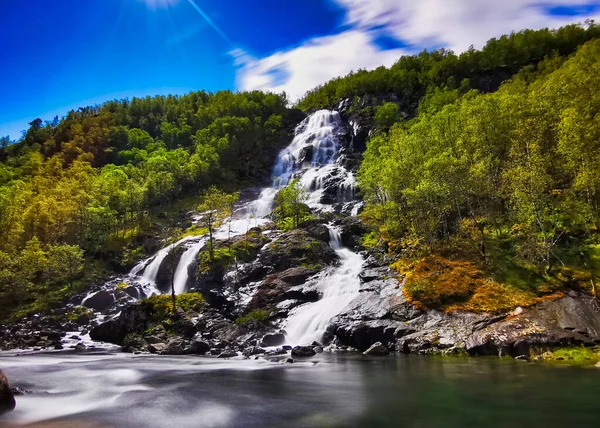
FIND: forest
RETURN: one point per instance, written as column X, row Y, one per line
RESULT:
column 492, row 199
column 484, row 164
column 82, row 195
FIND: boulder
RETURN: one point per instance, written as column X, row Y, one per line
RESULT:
column 134, row 343
column 273, row 340
column 281, row 286
column 316, row 230
column 7, row 399
column 303, row 351
column 377, row 349
column 157, row 348
column 199, row 347
column 175, row 346
column 133, row 319
column 228, row 353
column 99, row 301
column 253, row 350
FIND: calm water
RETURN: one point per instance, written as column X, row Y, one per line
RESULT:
column 119, row 390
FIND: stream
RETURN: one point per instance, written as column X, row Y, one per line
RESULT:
column 329, row 390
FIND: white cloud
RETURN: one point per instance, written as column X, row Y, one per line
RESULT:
column 316, row 61
column 454, row 24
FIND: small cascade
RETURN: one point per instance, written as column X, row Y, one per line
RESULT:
column 338, row 288
column 180, row 280
column 151, row 271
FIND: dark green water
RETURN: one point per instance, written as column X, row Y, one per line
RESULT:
column 120, row 390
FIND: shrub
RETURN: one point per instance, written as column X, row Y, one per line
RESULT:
column 163, row 304
column 255, row 315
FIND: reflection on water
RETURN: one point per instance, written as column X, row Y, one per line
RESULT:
column 119, row 390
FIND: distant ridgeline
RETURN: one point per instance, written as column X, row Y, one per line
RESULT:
column 488, row 176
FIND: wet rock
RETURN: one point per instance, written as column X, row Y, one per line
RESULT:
column 7, row 399
column 157, row 348
column 99, row 301
column 280, row 286
column 228, row 353
column 80, row 347
column 303, row 351
column 316, row 230
column 134, row 343
column 83, row 319
column 17, row 390
column 367, row 275
column 294, row 249
column 199, row 347
column 176, row 346
column 133, row 319
column 377, row 349
column 253, row 350
column 278, row 351
column 272, row 340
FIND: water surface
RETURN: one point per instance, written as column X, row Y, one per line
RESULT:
column 121, row 390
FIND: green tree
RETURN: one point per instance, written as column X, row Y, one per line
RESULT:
column 291, row 204
column 65, row 263
column 213, row 210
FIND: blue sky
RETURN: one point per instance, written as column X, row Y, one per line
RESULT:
column 59, row 55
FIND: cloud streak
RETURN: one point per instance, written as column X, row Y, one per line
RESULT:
column 454, row 24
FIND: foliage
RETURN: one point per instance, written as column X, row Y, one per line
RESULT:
column 503, row 180
column 291, row 208
column 411, row 77
column 101, row 179
column 162, row 305
column 260, row 315
column 216, row 206
column 241, row 251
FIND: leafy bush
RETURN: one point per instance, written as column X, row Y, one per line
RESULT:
column 255, row 315
column 163, row 304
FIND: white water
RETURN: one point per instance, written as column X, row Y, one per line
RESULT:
column 187, row 258
column 312, row 157
column 338, row 288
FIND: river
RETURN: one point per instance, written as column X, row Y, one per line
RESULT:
column 329, row 390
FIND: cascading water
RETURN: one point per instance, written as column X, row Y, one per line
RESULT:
column 313, row 158
column 338, row 288
column 181, row 277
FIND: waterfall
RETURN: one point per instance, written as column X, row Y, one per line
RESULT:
column 312, row 157
column 149, row 267
column 181, row 273
column 338, row 288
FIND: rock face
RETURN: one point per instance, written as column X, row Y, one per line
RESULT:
column 7, row 399
column 381, row 314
